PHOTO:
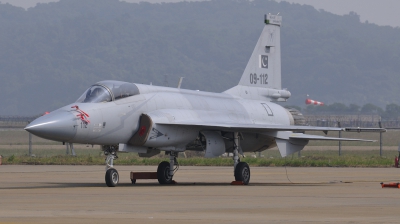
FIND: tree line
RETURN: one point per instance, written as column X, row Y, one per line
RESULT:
column 52, row 52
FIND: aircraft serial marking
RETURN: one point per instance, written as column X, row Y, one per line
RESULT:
column 254, row 78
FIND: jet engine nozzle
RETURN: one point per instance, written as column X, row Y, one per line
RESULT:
column 296, row 117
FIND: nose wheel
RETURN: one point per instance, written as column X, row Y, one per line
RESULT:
column 112, row 176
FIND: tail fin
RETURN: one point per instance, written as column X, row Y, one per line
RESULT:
column 263, row 71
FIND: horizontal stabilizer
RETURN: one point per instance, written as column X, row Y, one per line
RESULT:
column 352, row 129
column 317, row 137
column 289, row 142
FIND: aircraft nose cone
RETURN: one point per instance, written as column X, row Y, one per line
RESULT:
column 57, row 126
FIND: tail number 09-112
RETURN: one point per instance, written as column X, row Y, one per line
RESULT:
column 261, row 79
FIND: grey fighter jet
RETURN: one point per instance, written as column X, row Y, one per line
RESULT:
column 147, row 119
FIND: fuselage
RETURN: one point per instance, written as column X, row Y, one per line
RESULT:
column 116, row 121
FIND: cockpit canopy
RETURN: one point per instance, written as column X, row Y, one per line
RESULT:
column 106, row 91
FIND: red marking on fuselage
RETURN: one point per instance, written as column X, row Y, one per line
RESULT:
column 142, row 131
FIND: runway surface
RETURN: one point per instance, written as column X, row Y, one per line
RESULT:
column 77, row 194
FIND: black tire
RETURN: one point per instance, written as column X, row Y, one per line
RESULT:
column 163, row 173
column 242, row 173
column 133, row 181
column 112, row 177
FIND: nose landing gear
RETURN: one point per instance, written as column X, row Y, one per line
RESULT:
column 111, row 177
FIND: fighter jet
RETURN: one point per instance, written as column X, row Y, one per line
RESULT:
column 147, row 119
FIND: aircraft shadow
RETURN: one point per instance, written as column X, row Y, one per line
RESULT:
column 205, row 184
column 52, row 185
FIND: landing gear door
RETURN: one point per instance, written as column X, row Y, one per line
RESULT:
column 215, row 145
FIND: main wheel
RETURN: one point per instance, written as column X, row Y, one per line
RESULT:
column 242, row 173
column 163, row 173
column 112, row 177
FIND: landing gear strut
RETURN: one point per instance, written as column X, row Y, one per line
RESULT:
column 112, row 177
column 70, row 146
column 166, row 170
column 241, row 169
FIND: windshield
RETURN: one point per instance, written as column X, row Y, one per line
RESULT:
column 95, row 94
column 106, row 91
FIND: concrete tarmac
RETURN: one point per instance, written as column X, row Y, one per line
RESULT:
column 78, row 194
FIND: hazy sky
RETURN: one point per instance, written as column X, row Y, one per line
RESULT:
column 381, row 12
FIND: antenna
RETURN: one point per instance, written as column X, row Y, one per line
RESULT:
column 180, row 82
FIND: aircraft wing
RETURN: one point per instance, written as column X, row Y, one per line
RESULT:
column 273, row 130
column 287, row 141
column 223, row 121
column 250, row 127
column 220, row 121
column 286, row 138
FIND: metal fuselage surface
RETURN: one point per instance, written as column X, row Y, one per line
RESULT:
column 115, row 122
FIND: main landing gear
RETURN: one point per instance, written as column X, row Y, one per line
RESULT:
column 241, row 169
column 166, row 170
column 112, row 177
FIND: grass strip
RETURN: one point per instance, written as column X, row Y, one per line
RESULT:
column 310, row 159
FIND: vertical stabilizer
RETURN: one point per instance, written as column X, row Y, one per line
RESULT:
column 263, row 71
column 264, row 66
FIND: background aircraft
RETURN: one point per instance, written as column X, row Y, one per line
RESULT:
column 146, row 119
